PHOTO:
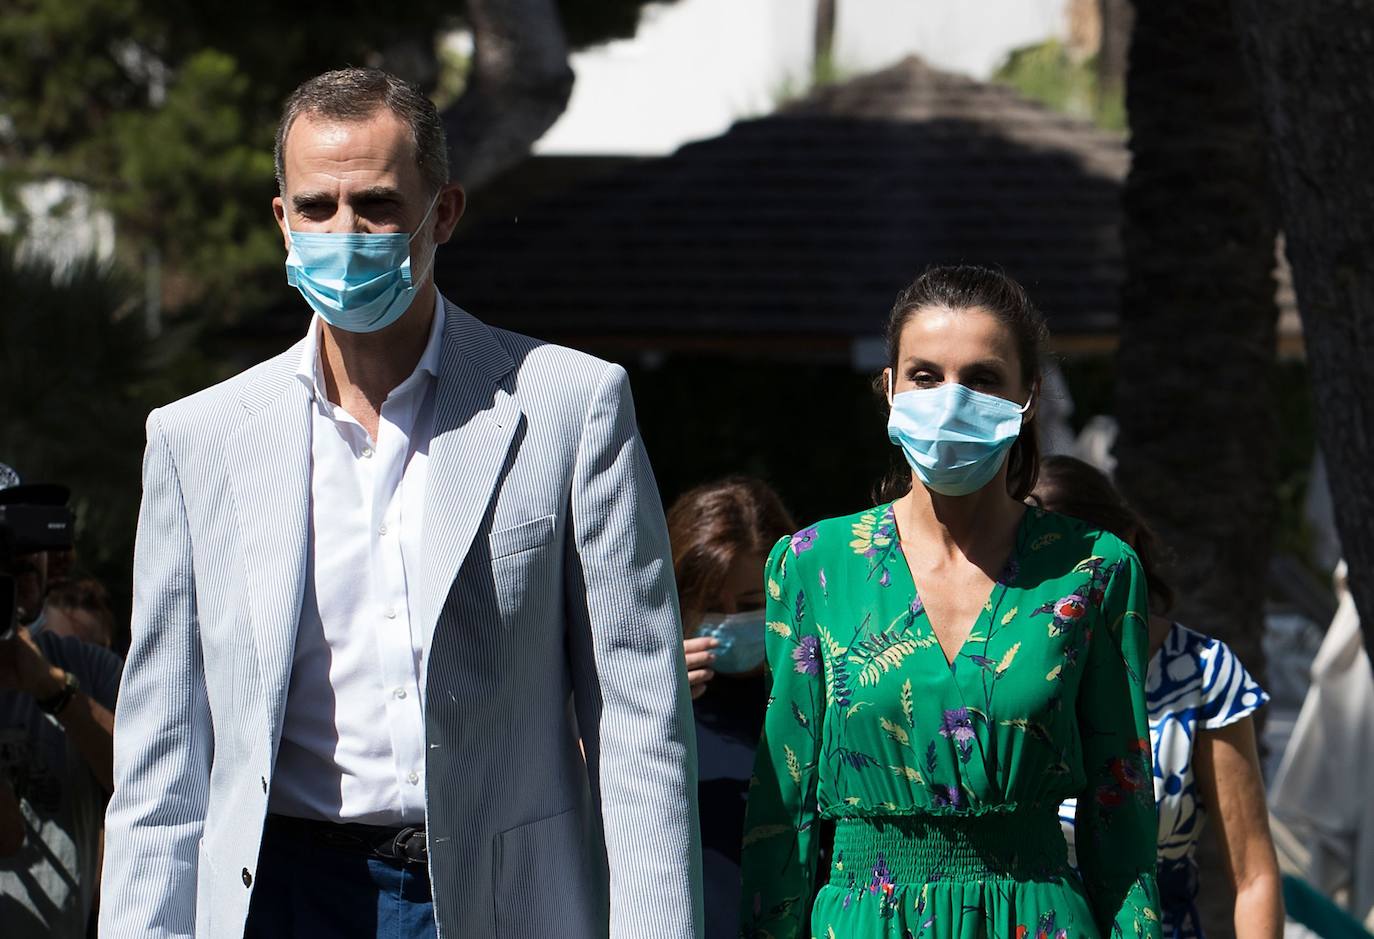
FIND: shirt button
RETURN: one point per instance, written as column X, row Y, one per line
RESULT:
column 367, row 451
column 247, row 878
column 399, row 692
column 413, row 778
column 391, row 613
column 381, row 530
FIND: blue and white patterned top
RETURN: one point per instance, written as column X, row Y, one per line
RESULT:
column 1194, row 683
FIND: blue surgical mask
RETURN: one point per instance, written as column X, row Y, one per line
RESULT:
column 360, row 282
column 741, row 640
column 955, row 438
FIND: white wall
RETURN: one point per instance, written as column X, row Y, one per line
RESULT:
column 697, row 66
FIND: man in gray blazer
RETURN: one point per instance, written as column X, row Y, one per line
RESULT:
column 385, row 584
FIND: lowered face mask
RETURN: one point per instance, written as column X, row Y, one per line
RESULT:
column 357, row 281
column 741, row 640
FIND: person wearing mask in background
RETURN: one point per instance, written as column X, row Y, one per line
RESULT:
column 57, row 695
column 721, row 533
column 382, row 584
column 949, row 666
column 1202, row 730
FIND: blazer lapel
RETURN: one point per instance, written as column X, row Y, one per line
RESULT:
column 475, row 423
column 269, row 477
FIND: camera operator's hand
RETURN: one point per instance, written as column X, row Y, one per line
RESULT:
column 23, row 667
column 89, row 726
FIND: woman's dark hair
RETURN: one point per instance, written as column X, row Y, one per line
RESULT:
column 1071, row 487
column 966, row 287
column 712, row 525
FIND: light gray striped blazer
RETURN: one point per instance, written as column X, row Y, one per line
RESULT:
column 548, row 581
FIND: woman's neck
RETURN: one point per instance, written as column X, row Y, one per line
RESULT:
column 970, row 526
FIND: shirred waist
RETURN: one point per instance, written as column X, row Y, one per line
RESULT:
column 1026, row 844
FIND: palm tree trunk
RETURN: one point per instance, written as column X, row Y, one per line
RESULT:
column 519, row 85
column 1198, row 333
column 1199, row 318
column 1312, row 75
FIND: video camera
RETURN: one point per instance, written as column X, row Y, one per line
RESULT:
column 29, row 522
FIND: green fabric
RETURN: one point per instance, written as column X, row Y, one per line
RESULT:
column 945, row 782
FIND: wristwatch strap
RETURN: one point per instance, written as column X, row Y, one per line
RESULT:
column 53, row 705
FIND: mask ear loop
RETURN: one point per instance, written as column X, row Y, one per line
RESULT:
column 890, row 387
column 1034, row 393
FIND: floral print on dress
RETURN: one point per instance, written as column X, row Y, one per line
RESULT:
column 870, row 726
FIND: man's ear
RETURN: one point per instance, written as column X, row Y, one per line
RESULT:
column 452, row 202
column 279, row 212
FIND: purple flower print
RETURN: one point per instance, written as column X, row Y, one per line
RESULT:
column 947, row 795
column 803, row 540
column 807, row 655
column 882, row 877
column 957, row 725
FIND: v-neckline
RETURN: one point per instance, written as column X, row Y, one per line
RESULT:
column 999, row 584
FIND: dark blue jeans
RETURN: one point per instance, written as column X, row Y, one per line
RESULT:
column 306, row 891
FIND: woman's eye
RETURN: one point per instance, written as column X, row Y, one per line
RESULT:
column 923, row 378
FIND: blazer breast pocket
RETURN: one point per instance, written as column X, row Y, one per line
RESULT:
column 523, row 537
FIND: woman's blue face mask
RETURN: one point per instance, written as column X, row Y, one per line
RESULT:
column 360, row 282
column 955, row 438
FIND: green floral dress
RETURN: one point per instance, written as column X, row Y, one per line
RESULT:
column 943, row 780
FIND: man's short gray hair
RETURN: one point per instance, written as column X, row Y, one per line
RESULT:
column 355, row 94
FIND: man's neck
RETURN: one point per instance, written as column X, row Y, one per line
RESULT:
column 365, row 367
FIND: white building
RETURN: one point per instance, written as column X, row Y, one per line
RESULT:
column 697, row 66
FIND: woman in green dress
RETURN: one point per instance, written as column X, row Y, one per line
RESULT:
column 948, row 667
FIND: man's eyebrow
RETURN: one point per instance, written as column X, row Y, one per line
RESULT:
column 302, row 199
column 378, row 194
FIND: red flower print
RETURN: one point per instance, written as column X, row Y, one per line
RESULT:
column 1070, row 608
column 1109, row 797
column 1127, row 774
column 1021, row 932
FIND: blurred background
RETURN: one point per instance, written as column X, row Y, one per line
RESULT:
column 725, row 196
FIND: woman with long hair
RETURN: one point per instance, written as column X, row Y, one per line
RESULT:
column 720, row 535
column 1202, row 731
column 949, row 666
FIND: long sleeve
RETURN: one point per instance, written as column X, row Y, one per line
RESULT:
column 1116, row 822
column 779, row 854
column 162, row 727
column 629, row 680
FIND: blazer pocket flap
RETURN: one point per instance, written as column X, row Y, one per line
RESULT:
column 522, row 537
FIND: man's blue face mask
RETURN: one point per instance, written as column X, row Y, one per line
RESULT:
column 955, row 438
column 360, row 282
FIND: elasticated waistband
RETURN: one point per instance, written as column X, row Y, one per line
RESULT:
column 1024, row 844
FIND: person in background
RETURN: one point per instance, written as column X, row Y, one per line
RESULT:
column 720, row 535
column 1202, row 734
column 949, row 665
column 57, row 696
column 80, row 608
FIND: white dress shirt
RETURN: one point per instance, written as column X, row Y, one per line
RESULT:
column 353, row 735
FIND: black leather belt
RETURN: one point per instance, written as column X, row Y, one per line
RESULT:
column 405, row 845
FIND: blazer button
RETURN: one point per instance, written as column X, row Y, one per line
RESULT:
column 247, row 878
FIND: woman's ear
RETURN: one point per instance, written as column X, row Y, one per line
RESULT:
column 887, row 381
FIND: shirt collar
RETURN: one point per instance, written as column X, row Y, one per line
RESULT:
column 310, row 371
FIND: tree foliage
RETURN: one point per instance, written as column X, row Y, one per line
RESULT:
column 167, row 110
